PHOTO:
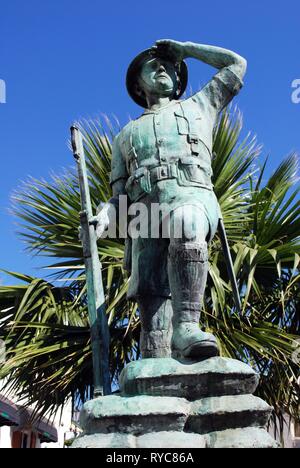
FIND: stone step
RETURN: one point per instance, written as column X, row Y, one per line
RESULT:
column 227, row 412
column 151, row 440
column 171, row 378
column 144, row 414
column 134, row 415
column 171, row 440
column 246, row 438
column 114, row 440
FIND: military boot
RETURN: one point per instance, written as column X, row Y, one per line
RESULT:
column 187, row 269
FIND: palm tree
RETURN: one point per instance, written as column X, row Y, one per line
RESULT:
column 45, row 325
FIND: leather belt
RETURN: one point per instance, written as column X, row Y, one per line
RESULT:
column 162, row 172
column 166, row 171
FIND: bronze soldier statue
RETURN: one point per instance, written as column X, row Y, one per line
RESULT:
column 164, row 157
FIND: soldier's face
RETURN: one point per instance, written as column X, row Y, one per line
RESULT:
column 158, row 76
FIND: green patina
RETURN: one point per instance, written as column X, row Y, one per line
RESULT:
column 164, row 157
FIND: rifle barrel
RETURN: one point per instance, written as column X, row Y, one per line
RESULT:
column 95, row 291
column 230, row 267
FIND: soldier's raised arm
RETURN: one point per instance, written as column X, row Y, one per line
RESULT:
column 226, row 84
column 215, row 56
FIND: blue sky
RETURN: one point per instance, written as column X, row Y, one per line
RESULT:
column 66, row 59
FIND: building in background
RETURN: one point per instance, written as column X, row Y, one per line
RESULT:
column 291, row 434
column 17, row 430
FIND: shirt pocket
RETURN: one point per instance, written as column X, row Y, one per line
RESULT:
column 182, row 124
column 197, row 174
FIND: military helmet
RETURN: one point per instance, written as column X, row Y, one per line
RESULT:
column 135, row 68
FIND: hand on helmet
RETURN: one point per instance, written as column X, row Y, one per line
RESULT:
column 174, row 48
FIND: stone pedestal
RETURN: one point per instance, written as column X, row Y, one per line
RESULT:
column 164, row 403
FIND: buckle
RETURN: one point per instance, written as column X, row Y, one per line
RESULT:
column 163, row 172
column 192, row 139
column 167, row 171
column 194, row 142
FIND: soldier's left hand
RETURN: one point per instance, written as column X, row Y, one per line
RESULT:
column 174, row 48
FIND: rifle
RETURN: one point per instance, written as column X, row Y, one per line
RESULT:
column 229, row 264
column 95, row 291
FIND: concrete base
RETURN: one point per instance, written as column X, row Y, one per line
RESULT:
column 168, row 377
column 165, row 404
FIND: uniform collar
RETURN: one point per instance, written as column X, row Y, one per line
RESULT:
column 170, row 104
